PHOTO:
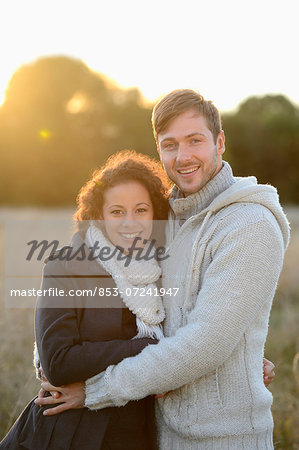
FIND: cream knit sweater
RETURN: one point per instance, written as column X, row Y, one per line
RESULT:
column 226, row 246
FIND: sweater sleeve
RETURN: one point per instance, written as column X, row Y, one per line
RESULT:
column 241, row 278
column 63, row 356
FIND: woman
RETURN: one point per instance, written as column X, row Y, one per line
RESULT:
column 78, row 336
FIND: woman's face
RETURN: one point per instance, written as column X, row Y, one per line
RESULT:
column 128, row 213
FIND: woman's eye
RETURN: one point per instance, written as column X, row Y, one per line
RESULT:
column 141, row 210
column 116, row 212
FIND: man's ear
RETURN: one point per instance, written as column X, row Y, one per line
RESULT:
column 220, row 143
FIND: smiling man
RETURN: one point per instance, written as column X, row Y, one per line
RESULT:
column 226, row 238
column 191, row 152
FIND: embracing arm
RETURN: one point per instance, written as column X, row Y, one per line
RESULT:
column 64, row 357
column 241, row 278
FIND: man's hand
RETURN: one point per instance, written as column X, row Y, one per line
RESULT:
column 72, row 396
column 269, row 374
column 161, row 395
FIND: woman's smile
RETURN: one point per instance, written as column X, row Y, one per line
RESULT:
column 128, row 213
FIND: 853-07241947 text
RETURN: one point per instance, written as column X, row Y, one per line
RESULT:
column 141, row 291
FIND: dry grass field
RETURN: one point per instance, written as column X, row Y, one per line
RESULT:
column 18, row 384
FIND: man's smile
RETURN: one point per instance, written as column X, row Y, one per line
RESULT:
column 188, row 171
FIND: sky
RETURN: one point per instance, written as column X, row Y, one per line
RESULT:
column 227, row 49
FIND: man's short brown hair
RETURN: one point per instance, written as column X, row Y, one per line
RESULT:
column 180, row 101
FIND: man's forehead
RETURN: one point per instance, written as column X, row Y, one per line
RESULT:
column 188, row 123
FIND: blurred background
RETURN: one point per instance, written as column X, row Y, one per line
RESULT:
column 78, row 83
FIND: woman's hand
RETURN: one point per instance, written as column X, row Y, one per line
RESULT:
column 71, row 396
column 269, row 374
column 42, row 392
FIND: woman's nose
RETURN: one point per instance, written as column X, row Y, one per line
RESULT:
column 129, row 219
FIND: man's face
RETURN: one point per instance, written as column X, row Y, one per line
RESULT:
column 188, row 152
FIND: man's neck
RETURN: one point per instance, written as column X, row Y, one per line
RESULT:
column 184, row 194
column 185, row 207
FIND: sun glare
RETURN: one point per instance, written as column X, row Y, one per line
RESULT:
column 2, row 97
column 4, row 80
column 7, row 71
column 242, row 68
column 78, row 103
column 45, row 134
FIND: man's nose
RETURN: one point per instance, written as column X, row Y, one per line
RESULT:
column 183, row 154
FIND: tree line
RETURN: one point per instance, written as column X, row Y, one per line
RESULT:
column 60, row 121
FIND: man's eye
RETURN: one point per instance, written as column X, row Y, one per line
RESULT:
column 168, row 146
column 195, row 141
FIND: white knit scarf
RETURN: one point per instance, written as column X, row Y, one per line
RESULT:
column 137, row 279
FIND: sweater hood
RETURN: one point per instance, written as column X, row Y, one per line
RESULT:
column 247, row 190
column 223, row 190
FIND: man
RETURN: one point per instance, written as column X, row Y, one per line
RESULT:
column 226, row 238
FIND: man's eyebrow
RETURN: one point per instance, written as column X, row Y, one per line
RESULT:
column 170, row 138
column 167, row 139
column 196, row 133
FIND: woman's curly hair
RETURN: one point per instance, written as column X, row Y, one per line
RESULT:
column 126, row 165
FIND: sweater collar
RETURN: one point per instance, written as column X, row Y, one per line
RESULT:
column 185, row 207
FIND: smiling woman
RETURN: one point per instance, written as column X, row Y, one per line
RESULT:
column 124, row 167
column 76, row 335
column 127, row 213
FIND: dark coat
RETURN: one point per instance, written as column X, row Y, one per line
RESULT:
column 78, row 337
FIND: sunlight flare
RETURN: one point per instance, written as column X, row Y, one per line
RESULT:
column 45, row 134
